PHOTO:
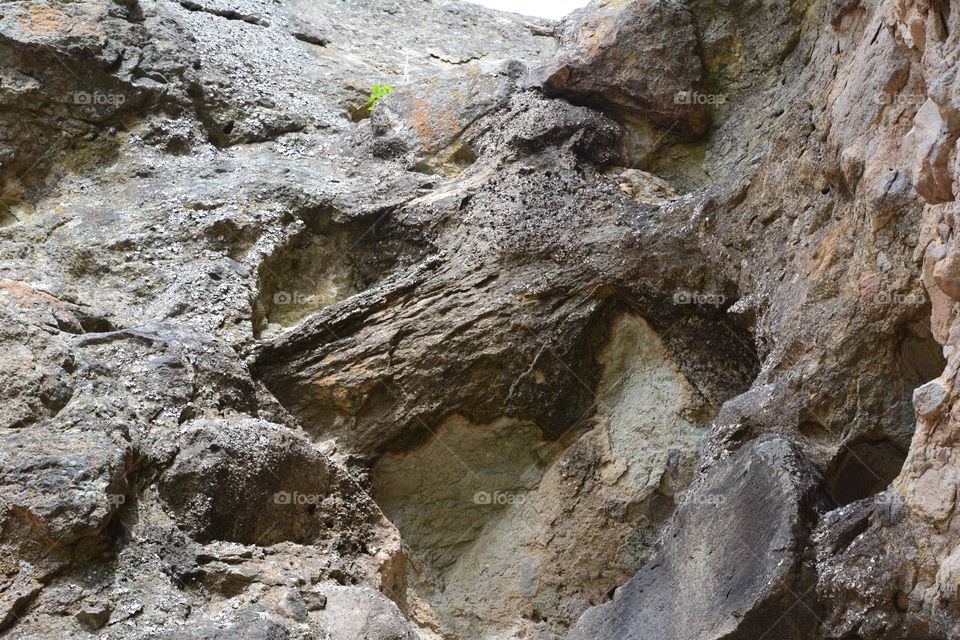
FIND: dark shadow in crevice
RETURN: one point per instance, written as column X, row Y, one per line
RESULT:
column 864, row 469
column 867, row 465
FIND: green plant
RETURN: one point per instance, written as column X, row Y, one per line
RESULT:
column 377, row 92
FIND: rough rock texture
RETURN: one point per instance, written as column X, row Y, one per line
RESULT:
column 595, row 67
column 507, row 521
column 640, row 324
column 740, row 535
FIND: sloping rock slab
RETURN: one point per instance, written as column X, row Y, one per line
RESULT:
column 730, row 565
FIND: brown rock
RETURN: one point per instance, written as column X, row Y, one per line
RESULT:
column 946, row 273
column 635, row 59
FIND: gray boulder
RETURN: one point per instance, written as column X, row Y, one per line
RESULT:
column 731, row 563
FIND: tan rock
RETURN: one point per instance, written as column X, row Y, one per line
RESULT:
column 946, row 274
column 933, row 144
column 930, row 399
column 933, row 494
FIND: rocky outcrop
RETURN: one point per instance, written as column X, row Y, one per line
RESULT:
column 606, row 56
column 741, row 535
column 640, row 324
column 508, row 520
column 898, row 576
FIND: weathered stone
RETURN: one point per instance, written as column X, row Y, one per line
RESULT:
column 637, row 59
column 36, row 361
column 929, row 399
column 257, row 483
column 946, row 274
column 252, row 627
column 62, row 487
column 94, row 616
column 690, row 255
column 739, row 534
column 934, row 145
column 431, row 118
column 353, row 612
column 501, row 532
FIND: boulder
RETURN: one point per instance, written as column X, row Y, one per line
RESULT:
column 738, row 536
column 253, row 482
column 637, row 60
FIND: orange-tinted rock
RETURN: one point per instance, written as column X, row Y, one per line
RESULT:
column 946, row 273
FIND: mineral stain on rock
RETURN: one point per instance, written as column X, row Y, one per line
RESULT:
column 498, row 520
column 638, row 324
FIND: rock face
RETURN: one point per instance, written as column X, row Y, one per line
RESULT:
column 640, row 324
column 508, row 521
column 741, row 534
column 638, row 60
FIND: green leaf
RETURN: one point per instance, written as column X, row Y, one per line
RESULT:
column 377, row 91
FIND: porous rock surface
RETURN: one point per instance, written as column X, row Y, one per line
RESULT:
column 642, row 324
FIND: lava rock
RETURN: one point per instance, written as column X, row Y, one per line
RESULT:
column 253, row 482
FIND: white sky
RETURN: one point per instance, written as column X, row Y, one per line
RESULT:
column 555, row 9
